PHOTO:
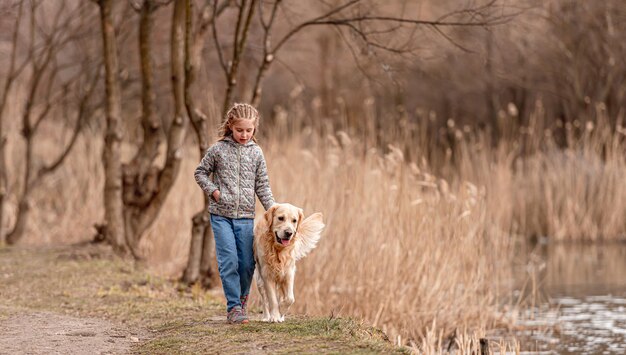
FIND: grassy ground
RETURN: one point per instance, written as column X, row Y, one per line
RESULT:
column 167, row 318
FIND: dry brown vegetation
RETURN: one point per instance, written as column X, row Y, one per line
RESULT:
column 407, row 250
column 48, row 292
column 427, row 181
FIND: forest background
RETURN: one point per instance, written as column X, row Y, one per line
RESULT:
column 437, row 137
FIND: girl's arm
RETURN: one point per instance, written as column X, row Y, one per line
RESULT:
column 262, row 184
column 204, row 171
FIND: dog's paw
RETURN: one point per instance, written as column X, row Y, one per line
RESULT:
column 276, row 318
column 284, row 310
column 265, row 319
column 289, row 301
column 282, row 318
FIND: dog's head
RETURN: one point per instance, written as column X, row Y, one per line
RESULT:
column 283, row 220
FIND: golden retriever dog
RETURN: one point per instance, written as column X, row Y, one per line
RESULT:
column 282, row 237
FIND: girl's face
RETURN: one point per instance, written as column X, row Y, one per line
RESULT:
column 243, row 129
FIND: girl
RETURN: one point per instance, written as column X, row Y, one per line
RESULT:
column 231, row 172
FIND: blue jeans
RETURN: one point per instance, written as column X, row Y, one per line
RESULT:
column 235, row 258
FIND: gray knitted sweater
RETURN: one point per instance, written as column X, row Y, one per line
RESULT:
column 238, row 171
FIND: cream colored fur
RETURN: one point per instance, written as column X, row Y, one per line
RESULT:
column 282, row 237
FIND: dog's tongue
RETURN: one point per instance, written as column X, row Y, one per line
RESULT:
column 285, row 242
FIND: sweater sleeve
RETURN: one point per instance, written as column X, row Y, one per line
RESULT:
column 262, row 184
column 204, row 170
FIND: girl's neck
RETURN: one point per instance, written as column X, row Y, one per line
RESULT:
column 230, row 138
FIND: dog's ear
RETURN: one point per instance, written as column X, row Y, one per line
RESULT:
column 309, row 233
column 300, row 218
column 269, row 215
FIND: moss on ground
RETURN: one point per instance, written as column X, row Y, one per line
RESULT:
column 90, row 281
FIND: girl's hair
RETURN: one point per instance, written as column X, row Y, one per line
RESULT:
column 237, row 112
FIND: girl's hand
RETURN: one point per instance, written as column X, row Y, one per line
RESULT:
column 216, row 195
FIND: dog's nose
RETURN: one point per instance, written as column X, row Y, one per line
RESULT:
column 288, row 234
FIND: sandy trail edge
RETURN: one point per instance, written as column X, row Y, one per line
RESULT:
column 51, row 333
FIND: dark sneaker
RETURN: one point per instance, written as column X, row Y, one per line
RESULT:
column 244, row 305
column 237, row 316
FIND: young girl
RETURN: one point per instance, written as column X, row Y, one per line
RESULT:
column 231, row 172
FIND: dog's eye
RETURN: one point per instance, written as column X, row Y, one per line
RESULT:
column 293, row 220
column 281, row 218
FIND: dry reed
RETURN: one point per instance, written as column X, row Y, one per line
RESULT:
column 404, row 249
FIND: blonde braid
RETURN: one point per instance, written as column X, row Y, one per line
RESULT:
column 236, row 112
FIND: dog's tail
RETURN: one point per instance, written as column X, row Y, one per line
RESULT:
column 309, row 233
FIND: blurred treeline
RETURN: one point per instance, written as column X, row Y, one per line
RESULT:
column 430, row 133
column 566, row 56
column 423, row 73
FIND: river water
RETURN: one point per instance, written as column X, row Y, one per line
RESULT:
column 580, row 303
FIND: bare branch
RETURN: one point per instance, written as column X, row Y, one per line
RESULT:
column 299, row 27
column 267, row 56
column 194, row 43
column 167, row 175
column 451, row 40
column 220, row 55
column 81, row 116
column 370, row 43
column 477, row 19
column 238, row 27
column 203, row 16
column 12, row 74
column 355, row 57
column 136, row 5
column 241, row 34
column 267, row 25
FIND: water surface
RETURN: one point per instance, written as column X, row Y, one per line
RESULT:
column 581, row 307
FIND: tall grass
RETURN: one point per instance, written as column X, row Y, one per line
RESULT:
column 536, row 187
column 404, row 250
column 418, row 239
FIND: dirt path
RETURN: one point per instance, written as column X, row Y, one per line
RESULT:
column 50, row 333
column 84, row 300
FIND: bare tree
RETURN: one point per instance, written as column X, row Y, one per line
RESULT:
column 588, row 48
column 145, row 186
column 139, row 214
column 363, row 20
column 357, row 16
column 242, row 27
column 47, row 89
column 113, row 203
column 11, row 75
column 202, row 246
column 135, row 191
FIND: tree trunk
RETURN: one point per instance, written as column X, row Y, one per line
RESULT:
column 10, row 77
column 140, row 176
column 490, row 94
column 23, row 207
column 200, row 264
column 239, row 44
column 20, row 225
column 3, row 182
column 38, row 105
column 192, row 271
column 113, row 203
column 208, row 264
column 142, row 210
column 327, row 83
column 134, row 202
